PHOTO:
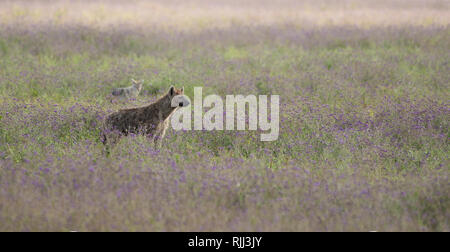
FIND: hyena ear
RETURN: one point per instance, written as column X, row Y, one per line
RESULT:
column 172, row 90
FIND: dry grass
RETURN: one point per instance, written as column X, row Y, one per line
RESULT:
column 197, row 15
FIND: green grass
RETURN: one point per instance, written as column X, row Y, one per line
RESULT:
column 363, row 115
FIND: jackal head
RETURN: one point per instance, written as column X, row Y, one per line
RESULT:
column 137, row 84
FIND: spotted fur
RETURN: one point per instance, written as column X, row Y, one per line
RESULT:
column 151, row 120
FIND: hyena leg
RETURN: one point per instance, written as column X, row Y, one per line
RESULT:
column 158, row 138
column 153, row 139
column 157, row 141
column 109, row 141
column 106, row 148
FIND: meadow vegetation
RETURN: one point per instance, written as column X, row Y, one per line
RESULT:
column 364, row 116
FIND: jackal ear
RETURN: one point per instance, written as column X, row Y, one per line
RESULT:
column 133, row 80
column 172, row 90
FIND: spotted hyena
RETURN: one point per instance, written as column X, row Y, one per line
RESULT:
column 129, row 92
column 151, row 120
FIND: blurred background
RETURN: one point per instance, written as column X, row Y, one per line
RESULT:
column 205, row 14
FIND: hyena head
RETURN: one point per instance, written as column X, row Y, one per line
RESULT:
column 137, row 84
column 177, row 97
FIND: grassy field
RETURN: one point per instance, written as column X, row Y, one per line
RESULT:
column 364, row 115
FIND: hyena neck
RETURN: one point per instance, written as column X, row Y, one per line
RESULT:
column 163, row 105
